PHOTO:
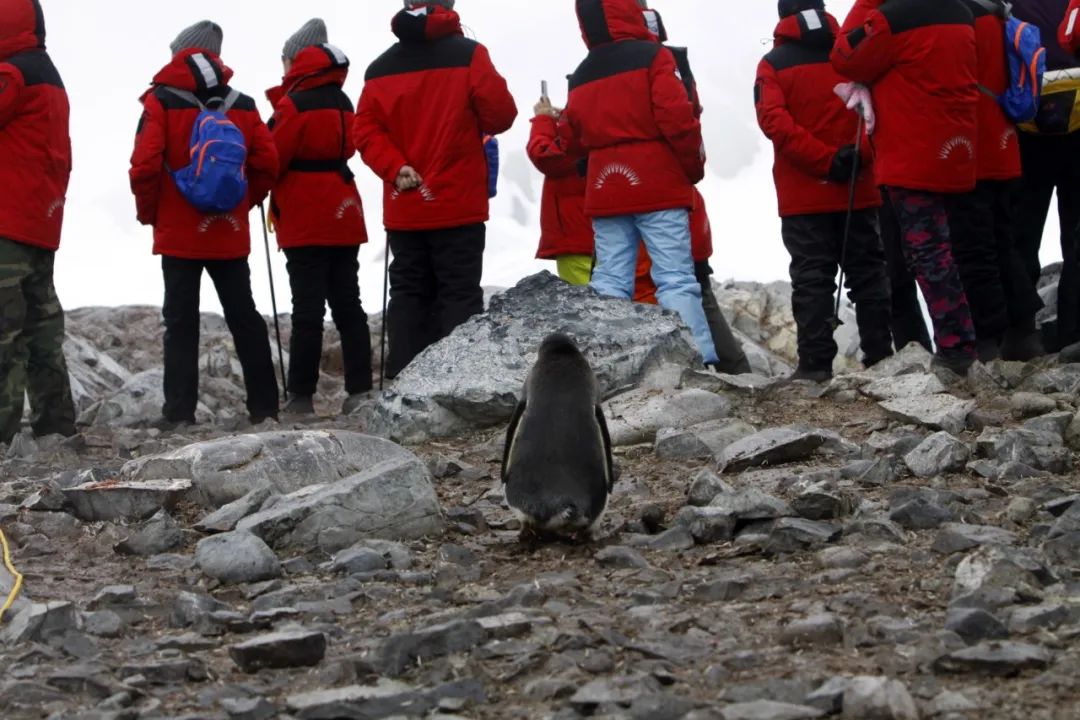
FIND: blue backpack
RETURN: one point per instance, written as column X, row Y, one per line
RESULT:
column 491, row 152
column 215, row 181
column 1027, row 65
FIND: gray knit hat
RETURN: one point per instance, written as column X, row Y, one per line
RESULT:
column 313, row 33
column 448, row 4
column 205, row 35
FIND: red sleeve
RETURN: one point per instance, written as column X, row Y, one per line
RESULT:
column 263, row 165
column 859, row 14
column 148, row 160
column 548, row 151
column 11, row 87
column 491, row 98
column 865, row 53
column 373, row 141
column 1069, row 34
column 674, row 115
column 791, row 140
column 285, row 127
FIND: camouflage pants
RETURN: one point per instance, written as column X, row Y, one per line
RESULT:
column 924, row 225
column 31, row 344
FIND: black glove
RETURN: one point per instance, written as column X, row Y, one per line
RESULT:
column 843, row 164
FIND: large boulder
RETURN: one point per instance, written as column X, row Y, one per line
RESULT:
column 223, row 471
column 138, row 403
column 472, row 379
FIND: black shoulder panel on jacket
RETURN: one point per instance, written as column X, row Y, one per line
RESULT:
column 450, row 52
column 906, row 15
column 326, row 97
column 170, row 101
column 37, row 68
column 792, row 55
column 615, row 59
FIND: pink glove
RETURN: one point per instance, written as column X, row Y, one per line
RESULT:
column 858, row 98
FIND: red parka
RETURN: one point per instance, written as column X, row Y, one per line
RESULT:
column 428, row 102
column 564, row 228
column 35, row 147
column 919, row 58
column 1069, row 35
column 164, row 141
column 998, row 146
column 315, row 201
column 630, row 111
column 808, row 124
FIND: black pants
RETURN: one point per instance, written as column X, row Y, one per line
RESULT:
column 318, row 276
column 815, row 243
column 907, row 322
column 232, row 279
column 731, row 356
column 434, row 287
column 999, row 290
column 1050, row 163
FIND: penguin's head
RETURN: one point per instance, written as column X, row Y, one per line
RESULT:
column 558, row 344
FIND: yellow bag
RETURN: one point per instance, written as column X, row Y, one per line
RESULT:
column 1059, row 105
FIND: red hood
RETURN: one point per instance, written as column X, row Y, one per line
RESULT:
column 22, row 27
column 313, row 67
column 425, row 24
column 607, row 21
column 656, row 24
column 797, row 29
column 183, row 71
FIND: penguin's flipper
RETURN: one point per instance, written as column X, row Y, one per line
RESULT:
column 606, row 438
column 511, row 438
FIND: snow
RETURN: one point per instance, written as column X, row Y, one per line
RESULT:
column 107, row 53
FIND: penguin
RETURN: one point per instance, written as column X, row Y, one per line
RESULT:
column 557, row 469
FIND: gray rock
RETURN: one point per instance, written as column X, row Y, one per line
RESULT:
column 226, row 470
column 997, row 659
column 842, row 558
column 39, row 622
column 993, row 576
column 103, row 623
column 1031, row 618
column 638, row 416
column 939, row 454
column 937, row 412
column 975, row 625
column 822, row 500
column 158, row 535
column 395, row 555
column 905, row 386
column 707, row 525
column 622, row 558
column 195, row 610
column 878, row 698
column 1021, row 510
column 138, row 403
column 393, row 500
column 237, row 557
column 1028, row 405
column 775, row 446
column 400, row 652
column 751, row 504
column 618, row 690
column 921, row 513
column 948, row 703
column 954, row 538
column 1056, row 423
column 472, row 379
column 819, row 630
column 706, row 440
column 255, row 708
column 279, row 650
column 706, row 486
column 124, row 500
column 225, row 518
column 113, row 596
column 387, row 699
column 357, row 561
column 790, row 535
column 769, row 710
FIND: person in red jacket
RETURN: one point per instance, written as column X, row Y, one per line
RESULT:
column 1069, row 34
column 919, row 59
column 1004, row 301
column 631, row 113
column 427, row 104
column 190, row 241
column 318, row 215
column 816, row 144
column 36, row 150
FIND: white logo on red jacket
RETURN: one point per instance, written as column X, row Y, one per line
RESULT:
column 426, row 193
column 209, row 220
column 955, row 143
column 56, row 206
column 1007, row 136
column 346, row 205
column 617, row 170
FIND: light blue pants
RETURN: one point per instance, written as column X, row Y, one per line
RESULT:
column 667, row 237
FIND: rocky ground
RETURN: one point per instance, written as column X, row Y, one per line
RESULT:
column 896, row 545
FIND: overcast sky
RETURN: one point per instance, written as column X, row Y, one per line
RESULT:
column 108, row 50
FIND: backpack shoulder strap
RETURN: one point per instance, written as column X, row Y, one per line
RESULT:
column 185, row 96
column 996, row 7
column 230, row 100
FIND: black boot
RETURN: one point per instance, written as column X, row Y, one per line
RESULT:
column 1022, row 346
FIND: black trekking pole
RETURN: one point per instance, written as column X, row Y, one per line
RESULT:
column 837, row 322
column 273, row 300
column 385, row 301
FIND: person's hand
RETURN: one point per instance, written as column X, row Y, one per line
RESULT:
column 843, row 164
column 408, row 179
column 544, row 107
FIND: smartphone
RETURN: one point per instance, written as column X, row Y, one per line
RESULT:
column 544, row 89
